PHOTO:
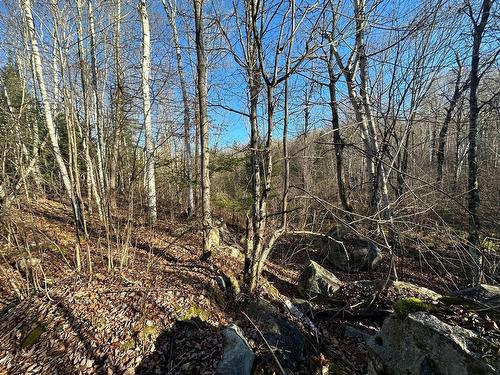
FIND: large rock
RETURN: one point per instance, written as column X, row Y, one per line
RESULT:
column 316, row 280
column 351, row 254
column 487, row 295
column 285, row 339
column 237, row 357
column 400, row 287
column 214, row 236
column 421, row 344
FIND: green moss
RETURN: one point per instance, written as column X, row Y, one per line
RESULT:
column 490, row 245
column 128, row 344
column 33, row 336
column 195, row 311
column 148, row 333
column 405, row 306
column 101, row 324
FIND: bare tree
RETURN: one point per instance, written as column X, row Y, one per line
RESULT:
column 201, row 70
column 478, row 23
column 148, row 134
column 51, row 128
column 171, row 11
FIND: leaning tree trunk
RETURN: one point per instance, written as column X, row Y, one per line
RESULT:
column 148, row 134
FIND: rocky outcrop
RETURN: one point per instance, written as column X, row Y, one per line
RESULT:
column 486, row 295
column 316, row 280
column 421, row 344
column 351, row 254
column 281, row 335
column 214, row 236
column 237, row 357
column 400, row 287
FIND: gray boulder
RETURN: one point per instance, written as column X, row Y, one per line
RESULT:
column 283, row 337
column 351, row 254
column 421, row 344
column 316, row 280
column 486, row 295
column 237, row 357
column 399, row 288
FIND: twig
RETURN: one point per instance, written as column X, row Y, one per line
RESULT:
column 265, row 341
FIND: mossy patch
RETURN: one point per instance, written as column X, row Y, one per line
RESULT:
column 490, row 244
column 101, row 324
column 33, row 336
column 148, row 333
column 409, row 305
column 128, row 344
column 195, row 311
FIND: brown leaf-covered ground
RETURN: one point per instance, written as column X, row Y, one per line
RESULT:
column 135, row 318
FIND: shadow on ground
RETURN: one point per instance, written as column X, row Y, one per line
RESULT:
column 188, row 347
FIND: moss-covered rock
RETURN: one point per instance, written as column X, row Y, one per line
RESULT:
column 406, row 306
column 423, row 344
column 214, row 237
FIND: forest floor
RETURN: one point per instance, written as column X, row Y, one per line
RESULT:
column 130, row 319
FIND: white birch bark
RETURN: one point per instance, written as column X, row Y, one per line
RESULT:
column 148, row 134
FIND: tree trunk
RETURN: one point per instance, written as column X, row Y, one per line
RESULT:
column 337, row 139
column 171, row 11
column 148, row 134
column 89, row 165
column 202, row 105
column 473, row 188
column 51, row 128
column 101, row 147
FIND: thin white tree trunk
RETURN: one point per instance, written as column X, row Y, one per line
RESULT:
column 148, row 134
column 26, row 7
column 51, row 128
column 91, row 180
column 98, row 121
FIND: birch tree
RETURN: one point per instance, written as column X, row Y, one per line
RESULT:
column 49, row 121
column 146, row 102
